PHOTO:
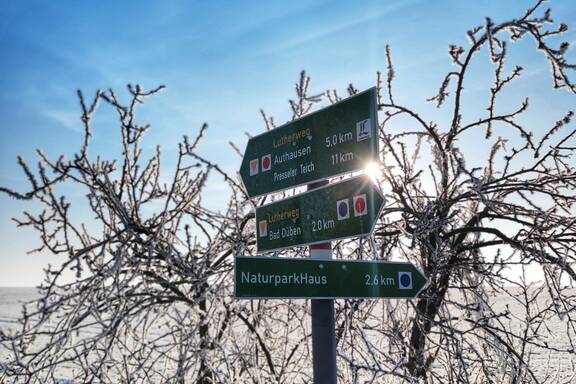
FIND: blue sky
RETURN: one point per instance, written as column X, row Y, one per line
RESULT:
column 222, row 61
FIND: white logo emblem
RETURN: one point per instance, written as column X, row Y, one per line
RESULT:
column 253, row 167
column 262, row 228
column 363, row 130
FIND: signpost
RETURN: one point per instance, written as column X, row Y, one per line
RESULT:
column 338, row 139
column 335, row 211
column 275, row 278
column 341, row 138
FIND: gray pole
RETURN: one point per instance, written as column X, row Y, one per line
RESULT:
column 323, row 323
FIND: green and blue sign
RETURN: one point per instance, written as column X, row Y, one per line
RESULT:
column 290, row 278
column 339, row 139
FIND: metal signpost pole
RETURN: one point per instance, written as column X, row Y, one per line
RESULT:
column 323, row 322
column 323, row 328
column 335, row 140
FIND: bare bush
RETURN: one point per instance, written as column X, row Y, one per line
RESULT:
column 152, row 302
column 467, row 224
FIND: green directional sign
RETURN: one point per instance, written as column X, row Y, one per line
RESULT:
column 273, row 277
column 347, row 209
column 338, row 139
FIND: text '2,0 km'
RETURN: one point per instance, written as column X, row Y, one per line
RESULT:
column 337, row 139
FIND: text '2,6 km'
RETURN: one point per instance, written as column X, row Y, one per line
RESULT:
column 337, row 139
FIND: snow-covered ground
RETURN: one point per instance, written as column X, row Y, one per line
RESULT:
column 557, row 367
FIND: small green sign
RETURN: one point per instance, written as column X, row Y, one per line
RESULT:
column 274, row 278
column 336, row 211
column 338, row 139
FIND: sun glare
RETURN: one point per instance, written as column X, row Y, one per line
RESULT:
column 373, row 171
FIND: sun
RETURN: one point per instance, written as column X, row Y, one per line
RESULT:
column 372, row 169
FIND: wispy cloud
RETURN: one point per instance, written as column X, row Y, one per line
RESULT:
column 66, row 119
column 344, row 24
